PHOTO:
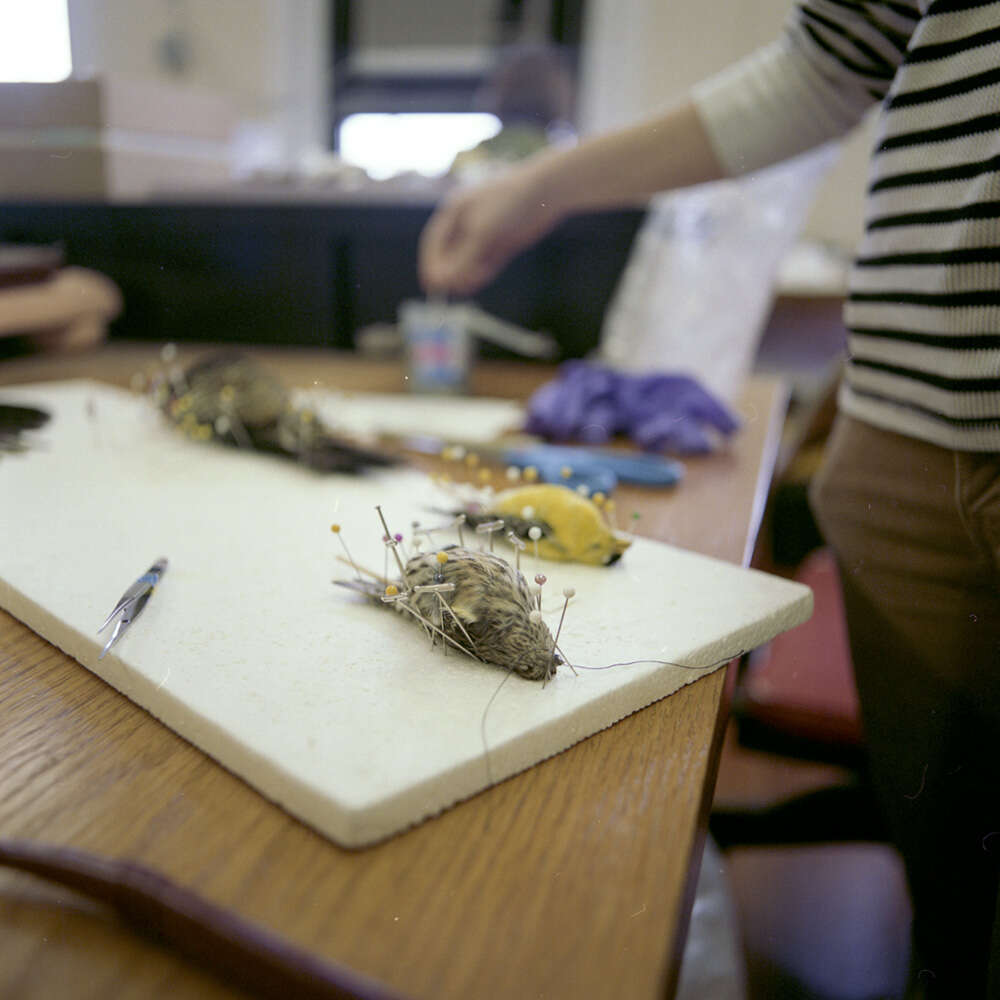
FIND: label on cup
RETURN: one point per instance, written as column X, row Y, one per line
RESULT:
column 438, row 347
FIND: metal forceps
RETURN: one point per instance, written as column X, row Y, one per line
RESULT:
column 131, row 603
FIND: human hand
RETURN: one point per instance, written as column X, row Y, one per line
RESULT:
column 476, row 231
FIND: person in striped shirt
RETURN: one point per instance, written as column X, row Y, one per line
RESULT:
column 909, row 497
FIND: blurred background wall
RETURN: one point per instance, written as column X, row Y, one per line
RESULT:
column 272, row 59
column 641, row 54
column 269, row 58
column 198, row 154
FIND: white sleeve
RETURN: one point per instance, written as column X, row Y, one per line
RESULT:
column 813, row 84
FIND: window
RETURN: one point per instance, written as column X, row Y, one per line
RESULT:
column 387, row 144
column 414, row 84
column 34, row 41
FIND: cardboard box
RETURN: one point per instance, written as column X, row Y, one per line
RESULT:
column 117, row 102
column 111, row 137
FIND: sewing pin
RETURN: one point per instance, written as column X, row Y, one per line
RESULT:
column 609, row 510
column 518, row 544
column 91, row 410
column 568, row 594
column 335, row 528
column 303, row 430
column 488, row 528
column 227, row 401
column 540, row 579
column 534, row 533
column 398, row 539
column 390, row 541
column 635, row 521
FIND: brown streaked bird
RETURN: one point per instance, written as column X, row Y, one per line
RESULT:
column 489, row 611
column 230, row 398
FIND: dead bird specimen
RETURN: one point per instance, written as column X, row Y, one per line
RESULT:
column 474, row 601
column 564, row 525
column 230, row 398
column 14, row 421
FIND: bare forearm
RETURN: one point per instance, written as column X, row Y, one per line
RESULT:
column 667, row 151
column 476, row 231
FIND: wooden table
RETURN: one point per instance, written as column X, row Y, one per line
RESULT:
column 574, row 879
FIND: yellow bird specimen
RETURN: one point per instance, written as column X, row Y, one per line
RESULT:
column 572, row 527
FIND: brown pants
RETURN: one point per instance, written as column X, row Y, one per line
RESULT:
column 916, row 530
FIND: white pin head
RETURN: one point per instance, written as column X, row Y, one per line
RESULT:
column 568, row 592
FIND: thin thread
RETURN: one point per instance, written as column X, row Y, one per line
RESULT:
column 923, row 784
column 607, row 666
column 668, row 663
column 482, row 724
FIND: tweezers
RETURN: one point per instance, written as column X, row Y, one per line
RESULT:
column 131, row 603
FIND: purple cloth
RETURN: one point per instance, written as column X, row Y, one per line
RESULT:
column 659, row 412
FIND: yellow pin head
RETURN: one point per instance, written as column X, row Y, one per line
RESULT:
column 392, row 590
column 442, row 557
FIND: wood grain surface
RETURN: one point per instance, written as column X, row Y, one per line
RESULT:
column 573, row 879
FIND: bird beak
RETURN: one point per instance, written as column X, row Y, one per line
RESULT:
column 621, row 541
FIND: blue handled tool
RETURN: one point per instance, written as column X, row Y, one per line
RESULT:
column 131, row 603
column 598, row 469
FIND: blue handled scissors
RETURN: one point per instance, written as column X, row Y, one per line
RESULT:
column 131, row 603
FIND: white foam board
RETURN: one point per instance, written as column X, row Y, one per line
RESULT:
column 333, row 707
column 368, row 413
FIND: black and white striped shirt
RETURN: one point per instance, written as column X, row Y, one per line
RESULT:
column 923, row 311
